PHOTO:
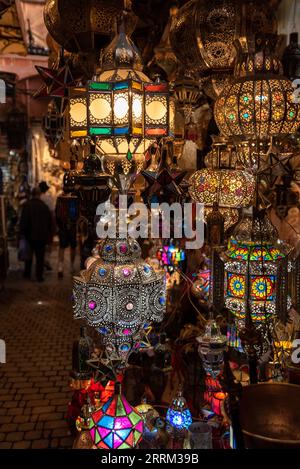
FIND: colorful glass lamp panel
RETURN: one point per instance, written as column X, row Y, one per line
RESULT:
column 263, row 288
column 253, row 251
column 236, row 285
column 116, row 425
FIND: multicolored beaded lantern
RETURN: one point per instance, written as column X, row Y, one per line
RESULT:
column 255, row 264
column 259, row 102
column 120, row 295
column 178, row 414
column 117, row 425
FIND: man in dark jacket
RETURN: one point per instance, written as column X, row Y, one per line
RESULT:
column 36, row 228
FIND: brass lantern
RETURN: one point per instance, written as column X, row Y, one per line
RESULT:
column 259, row 102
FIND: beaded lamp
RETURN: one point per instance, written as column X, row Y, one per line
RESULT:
column 119, row 294
column 117, row 425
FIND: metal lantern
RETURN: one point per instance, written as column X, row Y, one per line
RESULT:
column 203, row 33
column 211, row 347
column 178, row 414
column 259, row 102
column 291, row 58
column 256, row 271
column 228, row 188
column 120, row 294
column 84, row 26
column 116, row 425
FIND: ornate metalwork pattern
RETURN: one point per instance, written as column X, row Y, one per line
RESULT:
column 119, row 294
column 83, row 26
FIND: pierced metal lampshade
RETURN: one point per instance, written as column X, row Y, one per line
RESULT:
column 120, row 295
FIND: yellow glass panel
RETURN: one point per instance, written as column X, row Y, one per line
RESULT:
column 78, row 111
column 123, row 146
column 137, row 131
column 136, row 85
column 100, row 109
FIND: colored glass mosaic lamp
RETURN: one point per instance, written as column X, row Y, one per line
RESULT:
column 256, row 264
column 123, row 110
column 117, row 425
column 178, row 414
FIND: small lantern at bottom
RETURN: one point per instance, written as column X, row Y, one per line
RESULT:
column 116, row 425
column 211, row 348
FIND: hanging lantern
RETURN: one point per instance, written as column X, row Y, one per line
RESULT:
column 259, row 102
column 291, row 58
column 203, row 33
column 84, row 26
column 123, row 110
column 230, row 189
column 178, row 414
column 211, row 347
column 256, row 262
column 117, row 425
column 119, row 295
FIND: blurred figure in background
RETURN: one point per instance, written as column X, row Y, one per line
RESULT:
column 36, row 228
column 49, row 200
column 67, row 234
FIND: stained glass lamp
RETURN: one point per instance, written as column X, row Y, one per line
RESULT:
column 117, row 425
column 256, row 264
column 211, row 347
column 178, row 414
column 259, row 102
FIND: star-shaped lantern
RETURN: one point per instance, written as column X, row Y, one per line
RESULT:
column 165, row 184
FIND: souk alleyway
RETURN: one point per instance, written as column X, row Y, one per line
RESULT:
column 37, row 325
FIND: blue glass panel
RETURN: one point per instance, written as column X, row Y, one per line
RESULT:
column 109, row 440
column 106, row 405
column 123, row 433
column 106, row 422
column 121, row 131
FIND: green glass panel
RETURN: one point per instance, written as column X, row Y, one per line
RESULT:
column 120, row 408
column 136, row 436
column 100, row 86
column 124, row 446
column 100, row 131
column 129, row 155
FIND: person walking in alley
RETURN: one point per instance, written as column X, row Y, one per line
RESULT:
column 36, row 229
